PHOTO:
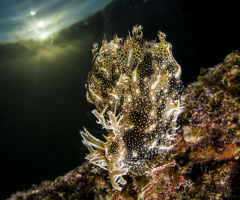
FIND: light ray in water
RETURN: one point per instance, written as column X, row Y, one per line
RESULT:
column 34, row 19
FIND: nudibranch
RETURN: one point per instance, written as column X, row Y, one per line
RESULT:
column 136, row 88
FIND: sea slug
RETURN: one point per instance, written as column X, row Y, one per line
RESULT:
column 136, row 88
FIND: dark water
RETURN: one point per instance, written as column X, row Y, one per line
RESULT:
column 43, row 103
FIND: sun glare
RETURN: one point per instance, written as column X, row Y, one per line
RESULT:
column 40, row 24
column 33, row 12
column 43, row 18
column 43, row 35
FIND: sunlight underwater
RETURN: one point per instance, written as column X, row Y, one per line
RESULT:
column 38, row 19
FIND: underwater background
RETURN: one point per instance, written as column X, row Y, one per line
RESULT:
column 43, row 104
